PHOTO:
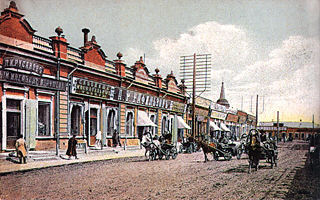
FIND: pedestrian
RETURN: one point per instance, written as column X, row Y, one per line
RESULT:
column 21, row 148
column 72, row 146
column 116, row 138
column 98, row 140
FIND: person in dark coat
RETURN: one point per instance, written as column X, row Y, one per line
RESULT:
column 72, row 147
column 116, row 138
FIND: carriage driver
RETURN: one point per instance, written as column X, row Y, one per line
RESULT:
column 254, row 139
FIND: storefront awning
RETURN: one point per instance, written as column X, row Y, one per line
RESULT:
column 182, row 124
column 224, row 127
column 214, row 126
column 144, row 120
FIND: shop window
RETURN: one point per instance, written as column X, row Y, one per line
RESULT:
column 153, row 119
column 129, row 123
column 297, row 135
column 75, row 119
column 164, row 125
column 93, row 121
column 13, row 104
column 44, row 113
column 111, row 122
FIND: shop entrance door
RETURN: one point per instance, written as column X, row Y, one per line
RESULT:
column 13, row 128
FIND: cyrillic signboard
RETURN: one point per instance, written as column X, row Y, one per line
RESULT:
column 32, row 80
column 232, row 118
column 92, row 88
column 218, row 115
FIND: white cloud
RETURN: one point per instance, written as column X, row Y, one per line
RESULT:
column 288, row 79
column 228, row 44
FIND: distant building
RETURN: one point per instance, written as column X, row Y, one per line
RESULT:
column 295, row 130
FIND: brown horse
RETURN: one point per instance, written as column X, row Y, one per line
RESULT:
column 205, row 148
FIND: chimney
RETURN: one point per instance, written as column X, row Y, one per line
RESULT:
column 85, row 38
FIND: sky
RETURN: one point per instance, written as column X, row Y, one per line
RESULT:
column 265, row 48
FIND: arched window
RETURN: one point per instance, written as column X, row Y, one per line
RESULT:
column 164, row 125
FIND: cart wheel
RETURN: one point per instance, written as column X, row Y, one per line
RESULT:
column 216, row 156
column 167, row 154
column 227, row 156
column 174, row 153
column 160, row 156
column 151, row 156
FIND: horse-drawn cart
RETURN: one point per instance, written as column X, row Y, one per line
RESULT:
column 257, row 150
column 158, row 148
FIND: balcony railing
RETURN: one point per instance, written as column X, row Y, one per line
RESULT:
column 74, row 54
column 41, row 43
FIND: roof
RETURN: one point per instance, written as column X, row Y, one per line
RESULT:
column 292, row 124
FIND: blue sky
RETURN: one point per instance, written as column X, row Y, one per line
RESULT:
column 270, row 48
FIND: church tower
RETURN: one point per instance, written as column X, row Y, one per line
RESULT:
column 222, row 100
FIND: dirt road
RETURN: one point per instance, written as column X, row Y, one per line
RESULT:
column 187, row 177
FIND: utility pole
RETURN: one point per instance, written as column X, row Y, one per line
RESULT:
column 194, row 98
column 312, row 124
column 277, row 127
column 257, row 112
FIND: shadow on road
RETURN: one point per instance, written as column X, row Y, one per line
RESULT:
column 306, row 183
column 238, row 169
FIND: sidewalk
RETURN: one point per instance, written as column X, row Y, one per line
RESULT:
column 44, row 159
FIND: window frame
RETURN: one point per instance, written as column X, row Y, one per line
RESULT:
column 50, row 119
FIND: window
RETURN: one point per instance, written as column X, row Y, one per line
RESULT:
column 129, row 123
column 111, row 121
column 154, row 120
column 75, row 119
column 164, row 125
column 44, row 113
column 93, row 121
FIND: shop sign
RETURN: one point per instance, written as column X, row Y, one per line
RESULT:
column 179, row 107
column 203, row 102
column 92, row 88
column 242, row 119
column 218, row 107
column 218, row 115
column 251, row 118
column 232, row 118
column 202, row 112
column 18, row 63
column 32, row 80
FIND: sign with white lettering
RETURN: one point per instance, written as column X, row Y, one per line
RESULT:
column 18, row 63
column 32, row 80
column 92, row 88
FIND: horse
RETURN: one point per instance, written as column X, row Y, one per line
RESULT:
column 146, row 142
column 205, row 148
column 253, row 148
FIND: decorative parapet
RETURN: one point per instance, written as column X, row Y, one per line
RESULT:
column 42, row 44
column 74, row 54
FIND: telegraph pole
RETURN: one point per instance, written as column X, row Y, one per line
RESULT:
column 277, row 127
column 194, row 98
column 257, row 112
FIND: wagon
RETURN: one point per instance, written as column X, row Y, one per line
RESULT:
column 257, row 150
column 161, row 150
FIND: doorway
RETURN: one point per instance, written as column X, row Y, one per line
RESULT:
column 13, row 115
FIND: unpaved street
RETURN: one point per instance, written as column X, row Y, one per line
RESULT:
column 187, row 177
